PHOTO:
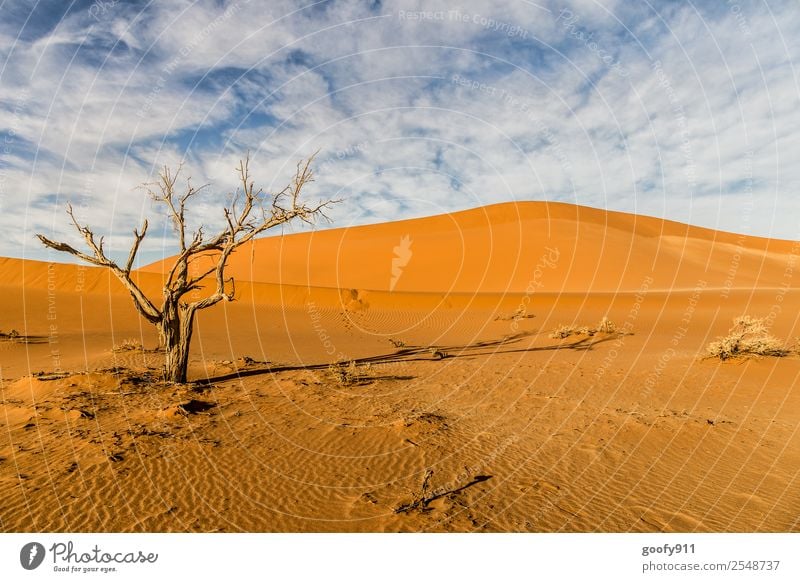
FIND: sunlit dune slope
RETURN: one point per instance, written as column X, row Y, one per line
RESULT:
column 455, row 383
column 517, row 248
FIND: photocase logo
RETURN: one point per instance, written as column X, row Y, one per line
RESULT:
column 402, row 255
column 31, row 555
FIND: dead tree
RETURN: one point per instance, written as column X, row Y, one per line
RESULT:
column 250, row 213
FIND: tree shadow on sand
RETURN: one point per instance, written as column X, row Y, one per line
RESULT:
column 505, row 345
column 15, row 337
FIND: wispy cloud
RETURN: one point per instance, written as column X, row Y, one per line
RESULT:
column 683, row 110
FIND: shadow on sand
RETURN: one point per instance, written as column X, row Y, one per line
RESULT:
column 505, row 345
column 17, row 338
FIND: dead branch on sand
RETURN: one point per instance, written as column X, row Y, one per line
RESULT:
column 425, row 497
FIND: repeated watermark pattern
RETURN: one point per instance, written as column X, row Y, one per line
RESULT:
column 320, row 330
column 548, row 261
column 571, row 23
column 741, row 20
column 173, row 66
column 350, row 152
column 625, row 329
column 486, row 22
column 552, row 144
column 677, row 337
column 102, row 8
column 785, row 285
column 10, row 139
column 747, row 210
column 402, row 256
column 477, row 72
column 682, row 121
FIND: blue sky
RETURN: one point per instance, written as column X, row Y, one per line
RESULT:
column 683, row 110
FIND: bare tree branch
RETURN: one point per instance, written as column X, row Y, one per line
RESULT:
column 246, row 216
column 143, row 305
column 138, row 237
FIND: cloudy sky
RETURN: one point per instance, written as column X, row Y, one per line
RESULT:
column 677, row 109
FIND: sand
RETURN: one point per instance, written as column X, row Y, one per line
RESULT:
column 460, row 412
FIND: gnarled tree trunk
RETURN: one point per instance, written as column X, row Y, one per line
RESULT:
column 175, row 331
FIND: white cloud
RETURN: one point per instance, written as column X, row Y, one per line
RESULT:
column 93, row 107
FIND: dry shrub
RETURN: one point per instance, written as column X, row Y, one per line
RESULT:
column 604, row 326
column 520, row 313
column 347, row 374
column 747, row 337
column 129, row 345
column 12, row 335
column 437, row 354
column 564, row 331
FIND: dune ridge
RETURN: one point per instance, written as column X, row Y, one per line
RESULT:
column 405, row 377
column 510, row 248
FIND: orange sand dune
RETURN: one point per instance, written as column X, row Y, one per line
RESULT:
column 460, row 410
column 514, row 248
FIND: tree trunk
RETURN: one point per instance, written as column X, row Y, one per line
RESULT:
column 176, row 335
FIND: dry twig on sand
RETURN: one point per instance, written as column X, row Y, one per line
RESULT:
column 426, row 496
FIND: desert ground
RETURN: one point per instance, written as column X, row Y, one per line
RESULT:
column 404, row 377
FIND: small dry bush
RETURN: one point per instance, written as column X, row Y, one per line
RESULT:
column 437, row 354
column 564, row 331
column 747, row 337
column 129, row 345
column 349, row 373
column 606, row 326
column 520, row 313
